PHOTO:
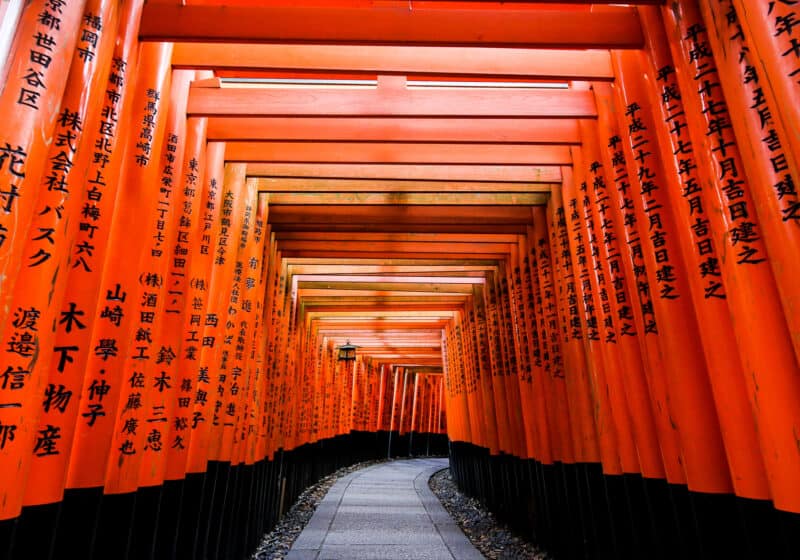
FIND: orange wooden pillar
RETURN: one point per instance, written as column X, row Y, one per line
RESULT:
column 768, row 28
column 511, row 325
column 620, row 315
column 576, row 381
column 196, row 284
column 487, row 344
column 232, row 365
column 770, row 152
column 701, row 442
column 231, row 215
column 553, row 435
column 753, row 298
column 113, row 326
column 590, row 315
column 704, row 267
column 141, row 418
column 478, row 353
column 38, row 67
column 39, row 289
column 529, row 345
column 640, row 305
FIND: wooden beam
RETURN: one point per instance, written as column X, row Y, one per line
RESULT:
column 390, row 102
column 401, row 198
column 361, row 268
column 333, row 254
column 407, row 153
column 554, row 64
column 339, row 236
column 313, row 185
column 388, row 24
column 430, row 172
column 403, row 215
column 531, row 131
column 396, row 246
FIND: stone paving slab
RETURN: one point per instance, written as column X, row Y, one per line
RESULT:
column 385, row 511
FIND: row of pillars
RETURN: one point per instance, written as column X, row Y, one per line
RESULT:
column 648, row 323
column 144, row 306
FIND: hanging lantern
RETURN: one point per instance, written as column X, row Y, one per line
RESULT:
column 347, row 352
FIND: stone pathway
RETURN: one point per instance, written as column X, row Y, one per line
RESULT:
column 385, row 511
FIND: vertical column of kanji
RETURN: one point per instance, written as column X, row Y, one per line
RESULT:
column 394, row 396
column 614, row 195
column 461, row 378
column 576, row 379
column 765, row 145
column 620, row 313
column 693, row 404
column 528, row 344
column 571, row 526
column 326, row 356
column 487, row 322
column 366, row 405
column 614, row 371
column 554, row 415
column 72, row 344
column 378, row 424
column 408, row 408
column 322, row 385
column 350, row 408
column 416, row 405
column 284, row 387
column 770, row 31
column 621, row 205
column 362, row 402
column 41, row 281
column 484, row 369
column 232, row 365
column 753, row 301
column 340, row 382
column 441, row 409
column 140, row 421
column 313, row 364
column 265, row 428
column 373, row 385
column 253, row 297
column 609, row 413
column 231, row 217
column 509, row 327
column 684, row 190
column 257, row 347
column 547, row 353
column 608, row 426
column 402, row 397
column 451, row 383
column 497, row 298
column 113, row 326
column 424, row 427
column 10, row 13
column 203, row 231
column 179, row 348
column 360, row 394
column 469, row 359
column 38, row 67
column 308, row 354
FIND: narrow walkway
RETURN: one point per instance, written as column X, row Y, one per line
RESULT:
column 383, row 512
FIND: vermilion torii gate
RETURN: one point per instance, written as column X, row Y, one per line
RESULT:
column 564, row 237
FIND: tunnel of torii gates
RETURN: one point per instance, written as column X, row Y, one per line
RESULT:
column 572, row 230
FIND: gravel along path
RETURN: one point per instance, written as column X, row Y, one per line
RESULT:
column 493, row 539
